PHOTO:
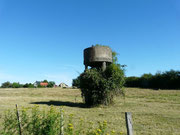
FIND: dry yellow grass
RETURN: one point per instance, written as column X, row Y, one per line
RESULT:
column 154, row 112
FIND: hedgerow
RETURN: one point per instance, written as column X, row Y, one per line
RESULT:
column 161, row 80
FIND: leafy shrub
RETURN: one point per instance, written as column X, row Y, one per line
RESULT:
column 99, row 87
column 38, row 123
column 49, row 122
column 76, row 82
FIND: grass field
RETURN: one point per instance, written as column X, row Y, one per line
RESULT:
column 155, row 112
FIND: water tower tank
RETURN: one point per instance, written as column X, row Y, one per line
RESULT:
column 97, row 56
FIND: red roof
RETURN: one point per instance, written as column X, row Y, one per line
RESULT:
column 43, row 84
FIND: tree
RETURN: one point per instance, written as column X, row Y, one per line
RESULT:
column 161, row 80
column 145, row 80
column 45, row 81
column 51, row 84
column 28, row 85
column 6, row 85
column 16, row 85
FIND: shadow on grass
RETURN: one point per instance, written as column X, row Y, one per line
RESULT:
column 61, row 103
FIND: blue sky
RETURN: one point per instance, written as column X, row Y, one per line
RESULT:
column 44, row 39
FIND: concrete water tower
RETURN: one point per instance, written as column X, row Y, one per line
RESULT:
column 97, row 57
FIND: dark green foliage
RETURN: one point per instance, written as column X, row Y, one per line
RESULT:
column 28, row 85
column 11, row 85
column 6, row 85
column 76, row 82
column 114, row 74
column 166, row 80
column 99, row 87
column 90, row 84
column 17, row 85
column 51, row 84
column 132, row 81
column 45, row 81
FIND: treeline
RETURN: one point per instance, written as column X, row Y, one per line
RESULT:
column 161, row 80
column 37, row 84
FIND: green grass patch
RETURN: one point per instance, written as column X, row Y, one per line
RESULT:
column 154, row 112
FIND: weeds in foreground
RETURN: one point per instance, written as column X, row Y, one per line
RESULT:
column 50, row 122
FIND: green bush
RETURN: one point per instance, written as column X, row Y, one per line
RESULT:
column 99, row 87
column 76, row 82
column 38, row 123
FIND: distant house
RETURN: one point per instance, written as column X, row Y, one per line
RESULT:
column 36, row 83
column 44, row 84
column 63, row 85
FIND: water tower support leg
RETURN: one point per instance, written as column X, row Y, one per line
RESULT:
column 104, row 66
